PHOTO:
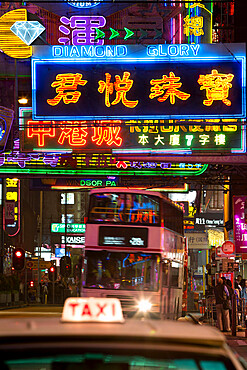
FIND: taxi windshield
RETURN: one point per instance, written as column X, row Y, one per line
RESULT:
column 100, row 361
column 123, row 271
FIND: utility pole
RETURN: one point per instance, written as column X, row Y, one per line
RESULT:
column 40, row 238
column 65, row 232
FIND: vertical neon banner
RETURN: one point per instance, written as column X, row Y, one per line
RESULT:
column 12, row 206
column 197, row 25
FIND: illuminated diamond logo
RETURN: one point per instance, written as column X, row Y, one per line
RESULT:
column 83, row 4
column 27, row 31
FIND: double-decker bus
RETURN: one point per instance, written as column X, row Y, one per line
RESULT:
column 134, row 250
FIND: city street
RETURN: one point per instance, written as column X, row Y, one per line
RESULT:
column 238, row 344
column 32, row 311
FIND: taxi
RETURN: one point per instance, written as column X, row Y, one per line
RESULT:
column 93, row 334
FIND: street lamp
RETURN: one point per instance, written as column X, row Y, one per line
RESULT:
column 23, row 101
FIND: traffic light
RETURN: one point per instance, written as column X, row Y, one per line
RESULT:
column 19, row 259
column 52, row 273
column 65, row 266
column 31, row 284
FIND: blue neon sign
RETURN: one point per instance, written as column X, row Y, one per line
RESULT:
column 129, row 82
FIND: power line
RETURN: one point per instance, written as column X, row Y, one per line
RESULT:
column 120, row 2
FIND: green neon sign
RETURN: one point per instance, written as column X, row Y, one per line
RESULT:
column 71, row 228
column 100, row 172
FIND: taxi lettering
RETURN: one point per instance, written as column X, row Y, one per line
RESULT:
column 92, row 309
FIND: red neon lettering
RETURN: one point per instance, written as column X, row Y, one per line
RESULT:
column 101, row 309
column 73, row 306
column 121, row 164
column 86, row 310
column 109, row 135
column 75, row 135
column 40, row 131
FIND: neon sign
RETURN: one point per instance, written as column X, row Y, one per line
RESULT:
column 79, row 30
column 83, row 4
column 89, row 164
column 135, row 136
column 240, row 226
column 12, row 217
column 158, row 82
column 6, row 120
column 71, row 228
column 197, row 26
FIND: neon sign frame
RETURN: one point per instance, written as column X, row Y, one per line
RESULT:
column 63, row 57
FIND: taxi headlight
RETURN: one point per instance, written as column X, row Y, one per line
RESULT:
column 144, row 305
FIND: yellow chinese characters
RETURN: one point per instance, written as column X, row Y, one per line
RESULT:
column 193, row 26
column 121, row 85
column 171, row 85
column 64, row 82
column 217, row 86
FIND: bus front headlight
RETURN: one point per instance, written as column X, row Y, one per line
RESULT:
column 144, row 305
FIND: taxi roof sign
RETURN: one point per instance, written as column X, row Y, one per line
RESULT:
column 92, row 310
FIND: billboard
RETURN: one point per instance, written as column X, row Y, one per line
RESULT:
column 240, row 223
column 105, row 82
column 133, row 136
column 87, row 164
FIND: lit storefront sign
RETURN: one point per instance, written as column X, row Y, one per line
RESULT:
column 151, row 82
column 154, row 183
column 6, row 120
column 205, row 220
column 71, row 228
column 87, row 183
column 197, row 24
column 90, row 164
column 197, row 240
column 12, row 206
column 18, row 30
column 123, row 236
column 83, row 4
column 240, row 223
column 71, row 239
column 135, row 136
column 80, row 30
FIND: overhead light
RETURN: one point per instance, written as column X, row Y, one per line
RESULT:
column 23, row 100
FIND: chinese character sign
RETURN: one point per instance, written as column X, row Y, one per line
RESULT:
column 98, row 88
column 197, row 24
column 240, row 225
column 146, row 136
column 12, row 206
column 80, row 30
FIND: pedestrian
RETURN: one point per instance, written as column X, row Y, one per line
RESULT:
column 231, row 294
column 239, row 302
column 45, row 293
column 21, row 291
column 244, row 297
column 222, row 310
column 244, row 292
column 240, row 281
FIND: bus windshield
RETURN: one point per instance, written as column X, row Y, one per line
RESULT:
column 122, row 271
column 124, row 208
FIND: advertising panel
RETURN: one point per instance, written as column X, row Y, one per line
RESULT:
column 123, row 236
column 11, row 210
column 240, row 223
column 133, row 136
column 90, row 164
column 146, row 81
